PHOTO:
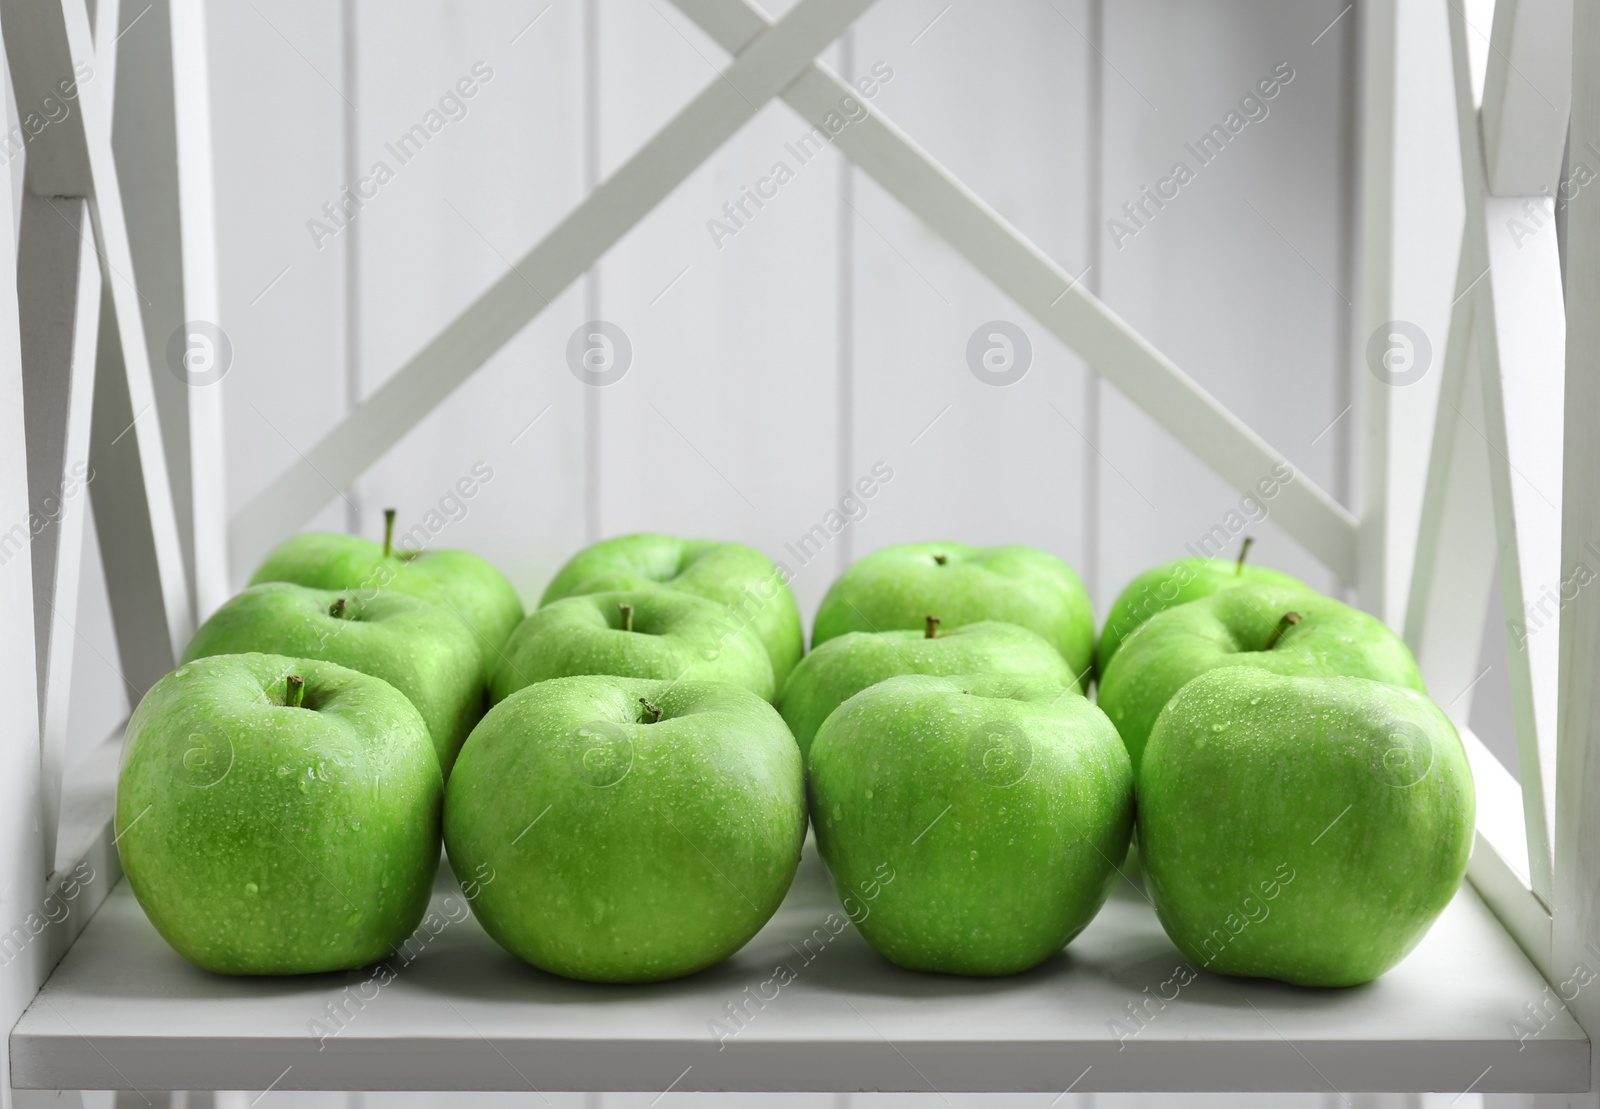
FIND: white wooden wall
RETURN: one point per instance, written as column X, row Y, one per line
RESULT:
column 830, row 333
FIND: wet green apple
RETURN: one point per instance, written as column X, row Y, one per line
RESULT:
column 637, row 830
column 1177, row 583
column 847, row 664
column 897, row 588
column 278, row 815
column 1270, row 627
column 1308, row 829
column 418, row 648
column 997, row 804
column 639, row 633
column 732, row 574
column 460, row 581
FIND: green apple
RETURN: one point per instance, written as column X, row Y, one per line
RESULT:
column 278, row 815
column 731, row 573
column 418, row 648
column 1308, row 829
column 844, row 666
column 460, row 581
column 994, row 805
column 1271, row 627
column 638, row 830
column 1172, row 584
column 896, row 588
column 638, row 633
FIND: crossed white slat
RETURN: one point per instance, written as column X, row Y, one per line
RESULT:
column 1052, row 296
column 1495, row 477
column 47, row 43
column 59, row 295
column 976, row 231
column 627, row 196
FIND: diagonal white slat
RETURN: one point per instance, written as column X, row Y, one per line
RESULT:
column 1527, row 94
column 1054, row 297
column 1522, row 326
column 1453, row 574
column 58, row 290
column 755, row 76
column 58, row 283
column 1519, row 335
column 49, row 44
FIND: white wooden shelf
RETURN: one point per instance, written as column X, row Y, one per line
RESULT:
column 122, row 1010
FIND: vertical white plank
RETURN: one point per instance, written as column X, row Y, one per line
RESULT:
column 197, row 221
column 22, row 859
column 999, row 97
column 1428, row 211
column 1239, row 276
column 1577, row 887
column 481, row 191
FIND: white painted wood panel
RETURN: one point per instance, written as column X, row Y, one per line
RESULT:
column 275, row 80
column 503, row 168
column 1241, row 277
column 1000, row 102
column 725, row 423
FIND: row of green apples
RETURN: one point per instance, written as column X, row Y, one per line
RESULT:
column 632, row 745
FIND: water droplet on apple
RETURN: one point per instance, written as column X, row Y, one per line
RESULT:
column 251, row 888
column 869, row 795
column 1218, row 727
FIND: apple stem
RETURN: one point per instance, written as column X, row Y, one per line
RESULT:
column 294, row 691
column 627, row 616
column 337, row 609
column 1244, row 553
column 1289, row 620
column 652, row 710
column 941, row 559
column 388, row 532
column 930, row 627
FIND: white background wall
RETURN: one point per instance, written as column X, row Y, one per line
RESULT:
column 827, row 335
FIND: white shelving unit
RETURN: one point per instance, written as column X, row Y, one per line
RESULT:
column 1493, row 1000
column 464, row 1015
